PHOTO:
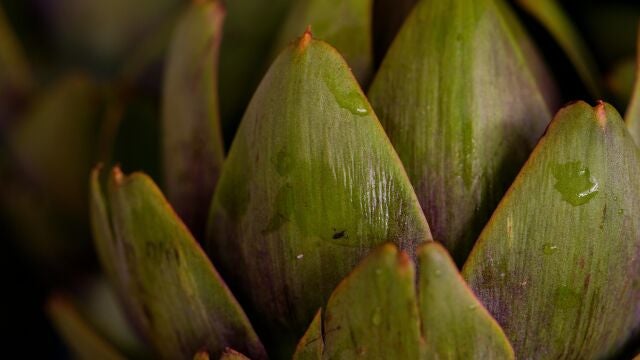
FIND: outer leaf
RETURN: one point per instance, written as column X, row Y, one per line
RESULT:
column 249, row 31
column 454, row 323
column 80, row 336
column 550, row 14
column 310, row 185
column 546, row 266
column 311, row 344
column 373, row 314
column 192, row 139
column 632, row 116
column 462, row 108
column 345, row 24
column 175, row 294
column 55, row 141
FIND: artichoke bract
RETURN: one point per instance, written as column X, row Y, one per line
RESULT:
column 310, row 185
column 193, row 150
column 461, row 105
column 548, row 275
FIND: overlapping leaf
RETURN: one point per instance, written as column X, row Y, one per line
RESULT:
column 346, row 25
column 192, row 140
column 81, row 338
column 459, row 100
column 375, row 313
column 310, row 185
column 632, row 116
column 558, row 264
column 170, row 287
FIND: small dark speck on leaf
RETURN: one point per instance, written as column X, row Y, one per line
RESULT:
column 339, row 234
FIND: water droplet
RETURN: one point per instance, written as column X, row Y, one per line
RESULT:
column 549, row 249
column 502, row 275
column 347, row 96
column 300, row 256
column 376, row 319
column 620, row 211
column 438, row 273
column 472, row 307
column 575, row 183
column 567, row 298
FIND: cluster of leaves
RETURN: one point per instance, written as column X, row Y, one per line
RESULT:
column 316, row 211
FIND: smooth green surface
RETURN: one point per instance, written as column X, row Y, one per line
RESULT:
column 551, row 15
column 193, row 151
column 380, row 311
column 81, row 338
column 632, row 116
column 310, row 185
column 250, row 29
column 311, row 345
column 373, row 313
column 461, row 104
column 557, row 264
column 454, row 322
column 344, row 24
column 172, row 290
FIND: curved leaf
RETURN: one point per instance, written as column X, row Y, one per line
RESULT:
column 311, row 345
column 632, row 116
column 176, row 296
column 373, row 313
column 310, row 185
column 454, row 322
column 345, row 24
column 192, row 140
column 463, row 109
column 546, row 266
column 550, row 14
column 77, row 333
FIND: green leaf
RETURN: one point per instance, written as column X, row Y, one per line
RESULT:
column 346, row 25
column 81, row 338
column 55, row 142
column 249, row 31
column 463, row 108
column 532, row 56
column 310, row 185
column 551, row 15
column 311, row 345
column 171, row 288
column 376, row 313
column 632, row 116
column 454, row 322
column 373, row 313
column 192, row 139
column 564, row 239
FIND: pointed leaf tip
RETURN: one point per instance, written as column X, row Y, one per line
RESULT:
column 169, row 286
column 588, row 182
column 301, row 186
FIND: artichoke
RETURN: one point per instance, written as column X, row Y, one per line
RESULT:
column 390, row 184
